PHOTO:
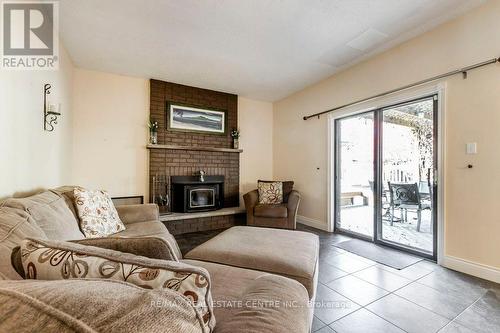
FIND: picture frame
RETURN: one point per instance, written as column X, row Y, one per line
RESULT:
column 190, row 118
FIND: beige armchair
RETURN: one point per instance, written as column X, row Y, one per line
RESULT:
column 276, row 216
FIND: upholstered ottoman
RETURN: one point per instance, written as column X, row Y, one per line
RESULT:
column 290, row 253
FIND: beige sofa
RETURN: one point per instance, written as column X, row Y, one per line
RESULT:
column 86, row 306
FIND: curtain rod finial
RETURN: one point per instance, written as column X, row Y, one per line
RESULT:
column 305, row 118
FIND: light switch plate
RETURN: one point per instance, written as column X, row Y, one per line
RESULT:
column 471, row 148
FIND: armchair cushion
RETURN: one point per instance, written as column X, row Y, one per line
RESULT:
column 275, row 216
column 262, row 210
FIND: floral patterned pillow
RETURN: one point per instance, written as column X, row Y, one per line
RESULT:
column 270, row 193
column 56, row 260
column 97, row 213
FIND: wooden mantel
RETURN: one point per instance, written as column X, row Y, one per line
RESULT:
column 196, row 148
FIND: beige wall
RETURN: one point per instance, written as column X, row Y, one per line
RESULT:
column 255, row 119
column 110, row 134
column 111, row 113
column 31, row 157
column 472, row 223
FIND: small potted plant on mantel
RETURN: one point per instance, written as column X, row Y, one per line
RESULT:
column 153, row 132
column 235, row 134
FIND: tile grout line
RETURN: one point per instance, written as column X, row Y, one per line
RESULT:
column 324, row 325
column 430, row 270
column 390, row 322
column 364, row 306
column 375, row 284
column 388, row 293
column 474, row 302
column 409, row 300
column 458, row 315
column 393, row 293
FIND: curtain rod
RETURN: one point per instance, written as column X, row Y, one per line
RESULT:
column 462, row 71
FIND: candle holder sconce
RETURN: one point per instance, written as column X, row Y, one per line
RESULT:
column 49, row 114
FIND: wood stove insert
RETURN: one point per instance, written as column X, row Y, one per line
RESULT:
column 197, row 193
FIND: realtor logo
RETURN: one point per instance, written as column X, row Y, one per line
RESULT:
column 29, row 40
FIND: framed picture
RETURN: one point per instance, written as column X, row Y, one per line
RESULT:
column 185, row 118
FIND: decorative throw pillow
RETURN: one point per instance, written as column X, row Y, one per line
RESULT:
column 97, row 213
column 270, row 193
column 287, row 188
column 55, row 260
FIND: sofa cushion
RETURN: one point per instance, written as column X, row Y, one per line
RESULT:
column 51, row 213
column 54, row 260
column 270, row 193
column 151, row 229
column 150, row 247
column 279, row 211
column 97, row 213
column 289, row 253
column 138, row 213
column 67, row 192
column 227, row 283
column 15, row 225
column 235, row 292
column 93, row 306
column 271, row 303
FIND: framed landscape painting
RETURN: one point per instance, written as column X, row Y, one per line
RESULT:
column 187, row 118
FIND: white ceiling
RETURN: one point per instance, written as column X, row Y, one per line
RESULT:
column 262, row 49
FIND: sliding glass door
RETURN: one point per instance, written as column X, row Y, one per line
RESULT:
column 408, row 162
column 386, row 163
column 355, row 178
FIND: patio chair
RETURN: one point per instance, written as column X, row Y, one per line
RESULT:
column 406, row 197
column 386, row 215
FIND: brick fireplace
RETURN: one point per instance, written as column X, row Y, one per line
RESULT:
column 186, row 153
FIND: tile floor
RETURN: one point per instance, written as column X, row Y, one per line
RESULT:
column 423, row 297
column 356, row 294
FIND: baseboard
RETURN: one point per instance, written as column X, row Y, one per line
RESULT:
column 312, row 223
column 482, row 271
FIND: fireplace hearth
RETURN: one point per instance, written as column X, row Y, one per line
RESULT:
column 197, row 194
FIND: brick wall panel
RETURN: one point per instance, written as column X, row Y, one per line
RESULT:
column 185, row 163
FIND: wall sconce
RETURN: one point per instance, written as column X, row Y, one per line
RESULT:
column 49, row 113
